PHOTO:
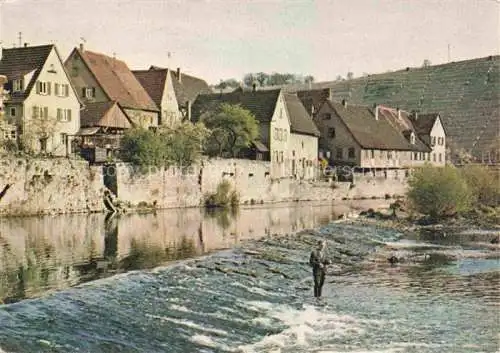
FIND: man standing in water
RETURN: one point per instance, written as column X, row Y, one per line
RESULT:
column 318, row 262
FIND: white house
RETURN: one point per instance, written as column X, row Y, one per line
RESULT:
column 430, row 129
column 43, row 105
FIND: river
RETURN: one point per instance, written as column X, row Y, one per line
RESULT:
column 188, row 281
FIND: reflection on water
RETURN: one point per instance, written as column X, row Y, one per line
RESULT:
column 41, row 254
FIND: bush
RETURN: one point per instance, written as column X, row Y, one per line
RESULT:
column 224, row 197
column 439, row 192
column 484, row 183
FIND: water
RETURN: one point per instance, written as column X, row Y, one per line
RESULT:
column 255, row 297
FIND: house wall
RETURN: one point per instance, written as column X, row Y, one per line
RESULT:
column 398, row 159
column 343, row 139
column 438, row 150
column 303, row 156
column 279, row 135
column 142, row 118
column 170, row 114
column 55, row 144
column 82, row 77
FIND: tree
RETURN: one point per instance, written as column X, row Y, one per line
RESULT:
column 184, row 142
column 180, row 145
column 39, row 129
column 233, row 128
column 249, row 79
column 223, row 84
column 144, row 148
column 483, row 183
column 262, row 78
column 439, row 192
column 350, row 75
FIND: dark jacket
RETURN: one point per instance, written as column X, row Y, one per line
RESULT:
column 317, row 259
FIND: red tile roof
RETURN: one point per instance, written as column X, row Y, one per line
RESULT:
column 118, row 81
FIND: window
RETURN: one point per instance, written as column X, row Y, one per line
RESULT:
column 415, row 156
column 367, row 153
column 327, row 116
column 372, row 152
column 61, row 90
column 412, row 138
column 340, row 153
column 276, row 132
column 13, row 112
column 40, row 112
column 389, row 154
column 331, row 132
column 281, row 156
column 433, row 140
column 17, row 85
column 281, row 113
column 351, row 153
column 302, row 144
column 64, row 139
column 433, row 157
column 63, row 115
column 440, row 158
column 88, row 92
column 74, row 71
column 9, row 134
column 43, row 88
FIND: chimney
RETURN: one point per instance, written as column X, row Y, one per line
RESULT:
column 25, row 45
column 179, row 74
column 344, row 103
column 82, row 48
column 188, row 104
column 254, row 87
column 376, row 111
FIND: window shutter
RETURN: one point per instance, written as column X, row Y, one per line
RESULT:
column 48, row 87
column 68, row 116
column 93, row 92
column 83, row 92
column 59, row 114
column 38, row 87
column 66, row 90
column 35, row 112
column 21, row 83
column 56, row 89
column 45, row 112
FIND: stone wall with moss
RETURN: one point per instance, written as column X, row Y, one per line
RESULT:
column 30, row 186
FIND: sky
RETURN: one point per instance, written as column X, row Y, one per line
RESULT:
column 222, row 39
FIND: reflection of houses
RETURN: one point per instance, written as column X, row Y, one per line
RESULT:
column 100, row 78
column 173, row 91
column 430, row 130
column 288, row 136
column 102, row 126
column 43, row 108
column 368, row 137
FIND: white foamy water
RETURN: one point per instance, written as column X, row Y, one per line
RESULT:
column 190, row 324
column 304, row 327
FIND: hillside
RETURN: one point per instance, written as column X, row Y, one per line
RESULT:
column 465, row 93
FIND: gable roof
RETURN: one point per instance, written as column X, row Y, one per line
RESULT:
column 300, row 121
column 423, row 123
column 153, row 82
column 117, row 81
column 18, row 62
column 97, row 114
column 261, row 104
column 370, row 133
column 187, row 88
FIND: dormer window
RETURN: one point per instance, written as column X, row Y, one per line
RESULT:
column 88, row 92
column 52, row 69
column 412, row 138
column 18, row 85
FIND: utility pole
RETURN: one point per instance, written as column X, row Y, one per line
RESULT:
column 449, row 55
column 20, row 38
